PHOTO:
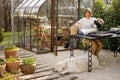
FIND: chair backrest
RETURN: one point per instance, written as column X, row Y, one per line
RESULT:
column 73, row 30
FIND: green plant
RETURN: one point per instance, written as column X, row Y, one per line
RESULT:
column 111, row 15
column 9, row 76
column 60, row 31
column 2, row 62
column 28, row 61
column 12, row 59
column 11, row 47
column 66, row 38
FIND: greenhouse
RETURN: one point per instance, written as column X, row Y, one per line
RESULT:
column 43, row 25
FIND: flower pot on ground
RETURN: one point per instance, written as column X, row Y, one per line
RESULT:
column 28, row 66
column 11, row 51
column 2, row 66
column 12, row 64
column 10, row 76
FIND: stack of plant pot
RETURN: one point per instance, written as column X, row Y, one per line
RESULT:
column 12, row 65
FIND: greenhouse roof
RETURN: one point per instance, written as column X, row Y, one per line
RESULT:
column 29, row 6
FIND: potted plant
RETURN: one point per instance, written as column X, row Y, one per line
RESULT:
column 10, row 76
column 2, row 66
column 28, row 66
column 12, row 64
column 11, row 51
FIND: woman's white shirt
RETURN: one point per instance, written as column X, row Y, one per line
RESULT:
column 87, row 25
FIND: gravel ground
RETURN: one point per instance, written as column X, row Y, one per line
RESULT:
column 110, row 65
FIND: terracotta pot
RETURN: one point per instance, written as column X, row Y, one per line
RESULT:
column 12, row 53
column 27, row 69
column 12, row 66
column 2, row 69
column 15, row 76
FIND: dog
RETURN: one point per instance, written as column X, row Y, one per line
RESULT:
column 76, row 65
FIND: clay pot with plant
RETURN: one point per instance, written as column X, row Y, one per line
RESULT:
column 11, row 51
column 10, row 76
column 2, row 66
column 12, row 64
column 28, row 66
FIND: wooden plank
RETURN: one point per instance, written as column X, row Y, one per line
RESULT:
column 48, row 77
column 36, row 75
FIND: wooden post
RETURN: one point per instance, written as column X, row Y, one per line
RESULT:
column 93, row 8
column 79, row 4
column 53, row 23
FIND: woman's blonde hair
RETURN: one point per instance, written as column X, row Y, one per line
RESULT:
column 87, row 10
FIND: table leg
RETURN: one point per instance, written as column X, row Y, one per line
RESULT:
column 90, row 58
column 71, row 48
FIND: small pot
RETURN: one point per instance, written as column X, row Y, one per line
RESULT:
column 28, row 69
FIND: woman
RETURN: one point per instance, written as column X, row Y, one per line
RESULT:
column 86, row 25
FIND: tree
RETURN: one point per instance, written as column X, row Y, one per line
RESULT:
column 115, row 12
column 7, row 11
column 99, row 8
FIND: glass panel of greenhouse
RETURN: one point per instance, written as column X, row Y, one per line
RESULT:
column 33, row 22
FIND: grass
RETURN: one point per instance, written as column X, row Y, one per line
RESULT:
column 8, row 38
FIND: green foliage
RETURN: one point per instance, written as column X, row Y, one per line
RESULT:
column 10, row 47
column 111, row 16
column 12, row 59
column 99, row 8
column 115, row 12
column 9, row 76
column 28, row 61
column 2, row 62
column 1, row 35
column 66, row 38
